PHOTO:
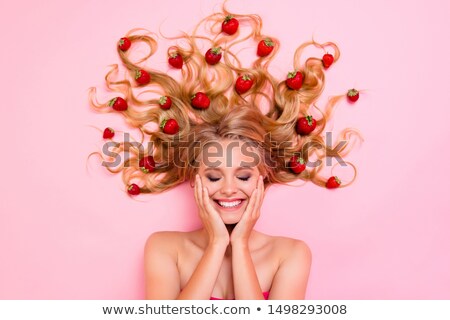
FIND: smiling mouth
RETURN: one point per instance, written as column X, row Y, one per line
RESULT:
column 229, row 204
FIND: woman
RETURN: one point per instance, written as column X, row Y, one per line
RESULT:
column 227, row 258
column 267, row 128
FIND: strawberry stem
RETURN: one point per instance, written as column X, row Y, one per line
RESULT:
column 292, row 74
column 268, row 42
column 216, row 50
column 111, row 102
column 163, row 123
column 138, row 74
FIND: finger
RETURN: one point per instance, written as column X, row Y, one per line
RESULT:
column 259, row 196
column 256, row 204
column 199, row 195
column 251, row 205
column 206, row 202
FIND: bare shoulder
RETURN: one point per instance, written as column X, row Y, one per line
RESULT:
column 291, row 248
column 160, row 237
column 294, row 263
column 168, row 241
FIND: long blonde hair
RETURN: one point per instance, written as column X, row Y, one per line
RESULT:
column 230, row 115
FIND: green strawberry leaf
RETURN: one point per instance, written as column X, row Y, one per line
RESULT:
column 111, row 102
column 268, row 42
column 163, row 123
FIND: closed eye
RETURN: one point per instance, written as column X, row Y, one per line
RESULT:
column 217, row 179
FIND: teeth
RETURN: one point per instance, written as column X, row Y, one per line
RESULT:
column 229, row 204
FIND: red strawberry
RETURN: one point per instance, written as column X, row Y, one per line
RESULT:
column 142, row 77
column 230, row 25
column 327, row 60
column 169, row 126
column 108, row 133
column 297, row 164
column 306, row 125
column 118, row 104
column 176, row 60
column 200, row 101
column 333, row 182
column 243, row 84
column 294, row 80
column 134, row 189
column 213, row 55
column 124, row 44
column 265, row 47
column 165, row 102
column 147, row 164
column 353, row 95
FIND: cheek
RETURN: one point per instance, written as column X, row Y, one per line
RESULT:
column 249, row 188
column 211, row 186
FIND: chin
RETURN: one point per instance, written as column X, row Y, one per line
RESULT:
column 230, row 220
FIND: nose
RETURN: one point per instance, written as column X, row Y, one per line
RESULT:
column 228, row 187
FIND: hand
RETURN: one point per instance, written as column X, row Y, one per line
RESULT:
column 214, row 226
column 241, row 232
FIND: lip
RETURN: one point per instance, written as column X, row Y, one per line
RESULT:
column 229, row 209
column 229, row 200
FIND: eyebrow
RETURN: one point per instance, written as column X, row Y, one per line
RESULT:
column 238, row 169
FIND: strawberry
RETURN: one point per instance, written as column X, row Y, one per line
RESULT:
column 147, row 164
column 108, row 133
column 294, row 80
column 353, row 95
column 176, row 60
column 265, row 47
column 297, row 164
column 243, row 84
column 134, row 189
column 169, row 126
column 306, row 125
column 327, row 60
column 213, row 55
column 333, row 182
column 165, row 102
column 118, row 104
column 200, row 101
column 230, row 25
column 124, row 44
column 142, row 77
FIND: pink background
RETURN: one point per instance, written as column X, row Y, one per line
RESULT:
column 66, row 234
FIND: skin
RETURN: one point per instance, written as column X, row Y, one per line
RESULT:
column 226, row 258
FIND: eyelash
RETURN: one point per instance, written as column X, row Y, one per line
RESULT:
column 216, row 179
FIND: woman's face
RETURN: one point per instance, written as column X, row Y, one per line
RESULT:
column 228, row 168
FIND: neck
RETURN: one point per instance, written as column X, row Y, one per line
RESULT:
column 230, row 227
